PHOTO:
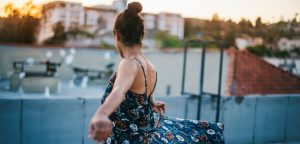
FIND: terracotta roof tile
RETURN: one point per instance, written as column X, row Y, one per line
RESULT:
column 249, row 74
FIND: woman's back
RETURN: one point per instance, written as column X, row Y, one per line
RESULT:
column 146, row 77
column 133, row 120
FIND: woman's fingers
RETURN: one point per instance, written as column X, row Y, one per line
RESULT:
column 156, row 109
column 92, row 131
column 163, row 110
column 162, row 107
column 101, row 131
column 100, row 128
column 159, row 107
column 159, row 110
column 101, row 134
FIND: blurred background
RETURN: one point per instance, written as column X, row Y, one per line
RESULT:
column 233, row 61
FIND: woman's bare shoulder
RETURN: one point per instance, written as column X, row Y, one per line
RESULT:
column 151, row 64
column 127, row 65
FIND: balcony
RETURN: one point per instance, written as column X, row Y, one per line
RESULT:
column 63, row 117
column 248, row 119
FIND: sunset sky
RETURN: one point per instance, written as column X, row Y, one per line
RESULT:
column 269, row 10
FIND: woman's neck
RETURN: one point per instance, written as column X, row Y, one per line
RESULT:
column 132, row 52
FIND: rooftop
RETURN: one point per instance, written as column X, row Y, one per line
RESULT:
column 250, row 74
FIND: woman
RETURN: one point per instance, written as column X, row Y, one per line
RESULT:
column 128, row 113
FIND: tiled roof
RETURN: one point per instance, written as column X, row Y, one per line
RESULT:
column 249, row 74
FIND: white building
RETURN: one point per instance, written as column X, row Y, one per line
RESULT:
column 99, row 21
column 246, row 41
column 171, row 22
column 288, row 44
column 119, row 5
column 150, row 21
column 71, row 14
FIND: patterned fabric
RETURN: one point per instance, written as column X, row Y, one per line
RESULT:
column 134, row 121
column 184, row 131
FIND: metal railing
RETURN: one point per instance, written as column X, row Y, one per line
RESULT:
column 201, row 81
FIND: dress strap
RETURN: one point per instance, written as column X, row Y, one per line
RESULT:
column 154, row 83
column 144, row 75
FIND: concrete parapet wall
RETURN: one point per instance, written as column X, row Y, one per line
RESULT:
column 248, row 119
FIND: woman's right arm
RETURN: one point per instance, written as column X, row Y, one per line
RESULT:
column 100, row 125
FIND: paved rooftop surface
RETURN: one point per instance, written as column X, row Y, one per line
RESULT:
column 168, row 65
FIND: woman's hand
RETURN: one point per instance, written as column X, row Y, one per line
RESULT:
column 100, row 127
column 159, row 107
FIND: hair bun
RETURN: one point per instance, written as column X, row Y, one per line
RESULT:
column 134, row 7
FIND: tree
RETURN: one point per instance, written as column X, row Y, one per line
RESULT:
column 227, row 31
column 258, row 23
column 230, row 34
column 215, row 17
column 246, row 27
column 59, row 37
column 75, row 32
column 214, row 28
column 20, row 25
column 101, row 24
column 294, row 22
column 193, row 28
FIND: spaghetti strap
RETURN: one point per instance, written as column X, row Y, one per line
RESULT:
column 144, row 75
column 154, row 83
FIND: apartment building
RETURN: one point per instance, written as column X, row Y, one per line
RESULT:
column 71, row 14
column 171, row 22
column 99, row 20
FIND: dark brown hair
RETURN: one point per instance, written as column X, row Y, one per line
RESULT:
column 130, row 25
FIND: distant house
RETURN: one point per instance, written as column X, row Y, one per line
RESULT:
column 99, row 19
column 119, row 5
column 71, row 14
column 289, row 44
column 249, row 74
column 245, row 41
column 172, row 23
column 150, row 22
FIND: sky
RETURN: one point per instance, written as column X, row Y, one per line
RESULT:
column 269, row 10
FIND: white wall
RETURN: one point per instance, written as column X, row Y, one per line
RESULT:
column 173, row 23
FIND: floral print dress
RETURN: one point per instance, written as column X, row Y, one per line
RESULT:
column 135, row 122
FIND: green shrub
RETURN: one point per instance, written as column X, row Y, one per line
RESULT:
column 106, row 45
column 261, row 50
column 166, row 40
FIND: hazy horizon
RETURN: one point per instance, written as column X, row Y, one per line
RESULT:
column 268, row 10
